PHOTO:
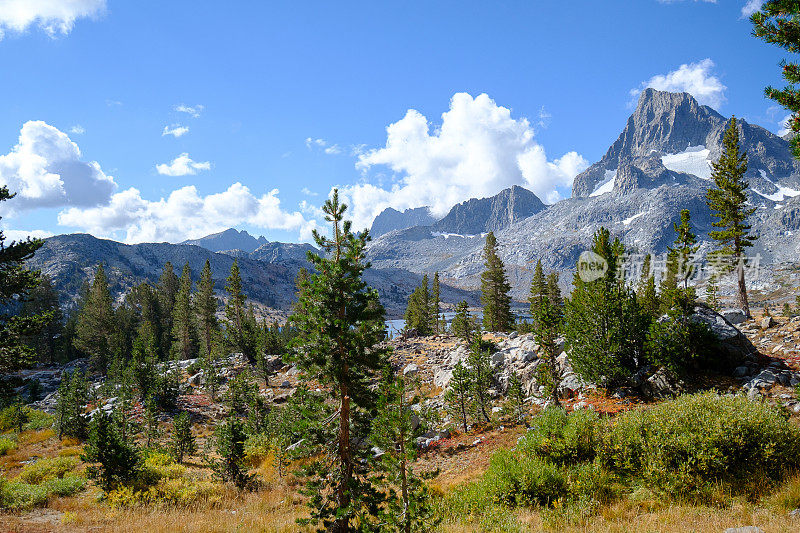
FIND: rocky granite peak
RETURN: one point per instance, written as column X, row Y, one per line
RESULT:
column 480, row 215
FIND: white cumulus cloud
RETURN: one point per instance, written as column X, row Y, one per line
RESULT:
column 478, row 150
column 751, row 7
column 45, row 170
column 185, row 214
column 54, row 17
column 194, row 111
column 21, row 235
column 183, row 165
column 176, row 130
column 696, row 79
column 77, row 130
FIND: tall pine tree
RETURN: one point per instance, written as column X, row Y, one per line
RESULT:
column 96, row 326
column 184, row 336
column 16, row 282
column 340, row 323
column 167, row 290
column 418, row 310
column 206, row 309
column 435, row 300
column 495, row 290
column 778, row 23
column 728, row 203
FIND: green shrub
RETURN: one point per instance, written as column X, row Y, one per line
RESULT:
column 257, row 448
column 592, row 482
column 161, row 465
column 469, row 503
column 687, row 446
column 15, row 495
column 47, row 469
column 516, row 479
column 65, row 486
column 39, row 420
column 6, row 445
column 563, row 438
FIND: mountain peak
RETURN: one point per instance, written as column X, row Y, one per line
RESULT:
column 229, row 239
column 671, row 138
column 497, row 212
column 390, row 219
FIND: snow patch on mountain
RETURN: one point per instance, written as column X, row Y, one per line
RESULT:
column 628, row 220
column 607, row 185
column 693, row 160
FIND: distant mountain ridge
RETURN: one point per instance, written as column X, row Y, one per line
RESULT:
column 268, row 273
column 230, row 239
column 481, row 215
column 391, row 219
column 658, row 165
column 671, row 138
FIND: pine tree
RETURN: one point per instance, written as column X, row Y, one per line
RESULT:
column 777, row 23
column 340, row 322
column 183, row 327
column 728, row 203
column 166, row 290
column 547, row 320
column 646, row 294
column 495, row 290
column 143, row 360
column 43, row 303
column 118, row 461
column 16, row 282
column 241, row 327
column 418, row 311
column 73, row 395
column 538, row 292
column 150, row 424
column 229, row 438
column 411, row 509
column 206, row 309
column 554, row 291
column 457, row 397
column 96, row 325
column 604, row 326
column 481, row 380
column 435, row 300
column 712, row 290
column 684, row 247
column 516, row 397
column 463, row 325
column 183, row 442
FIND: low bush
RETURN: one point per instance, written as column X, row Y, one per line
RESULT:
column 15, row 495
column 65, row 486
column 257, row 448
column 47, row 468
column 180, row 492
column 563, row 438
column 162, row 465
column 687, row 446
column 6, row 445
column 517, row 479
column 31, row 418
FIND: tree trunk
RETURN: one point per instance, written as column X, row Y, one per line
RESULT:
column 342, row 525
column 742, row 295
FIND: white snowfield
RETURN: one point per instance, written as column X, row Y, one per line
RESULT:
column 780, row 195
column 607, row 184
column 693, row 160
column 631, row 219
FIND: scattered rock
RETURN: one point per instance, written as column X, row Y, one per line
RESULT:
column 411, row 370
column 767, row 322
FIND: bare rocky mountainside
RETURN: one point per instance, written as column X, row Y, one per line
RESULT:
column 268, row 272
column 659, row 165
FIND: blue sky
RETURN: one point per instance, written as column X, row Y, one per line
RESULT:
column 270, row 104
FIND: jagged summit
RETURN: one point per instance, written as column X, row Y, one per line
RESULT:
column 230, row 239
column 479, row 215
column 391, row 219
column 671, row 138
